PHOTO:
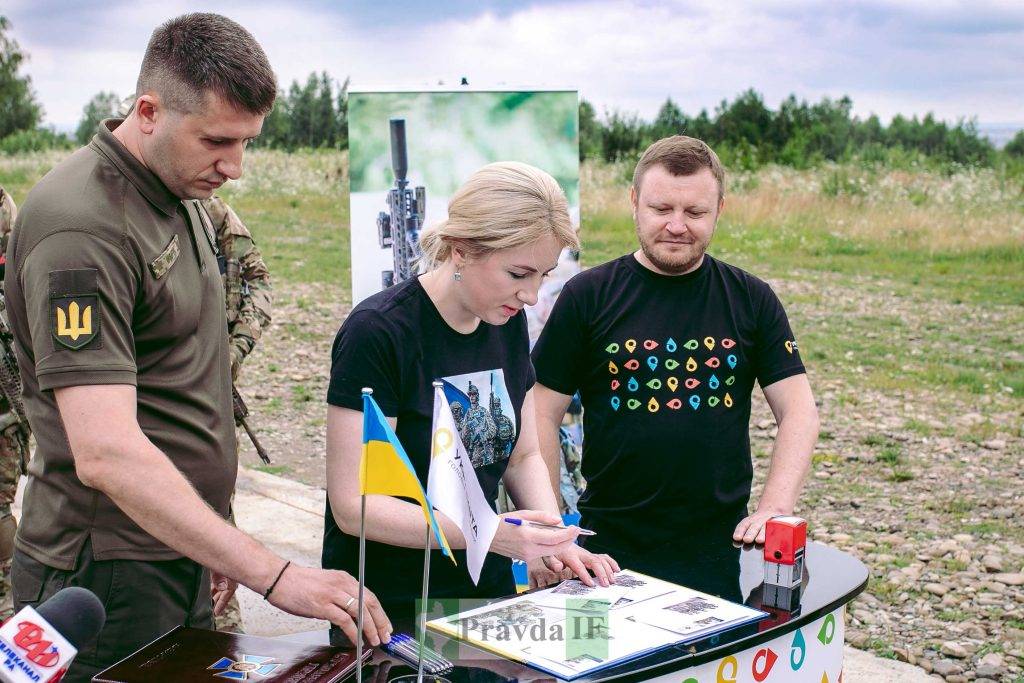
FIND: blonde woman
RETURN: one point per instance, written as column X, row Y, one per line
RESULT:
column 462, row 322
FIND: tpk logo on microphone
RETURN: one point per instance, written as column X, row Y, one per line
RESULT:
column 39, row 651
column 241, row 669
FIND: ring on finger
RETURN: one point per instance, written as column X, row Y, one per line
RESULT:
column 348, row 604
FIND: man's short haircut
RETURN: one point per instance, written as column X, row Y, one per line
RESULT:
column 194, row 54
column 680, row 155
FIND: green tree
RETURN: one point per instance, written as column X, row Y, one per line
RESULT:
column 325, row 121
column 103, row 105
column 624, row 136
column 670, row 121
column 18, row 107
column 590, row 132
column 342, row 115
column 1015, row 147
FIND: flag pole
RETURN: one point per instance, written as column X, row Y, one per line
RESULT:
column 421, row 618
column 367, row 391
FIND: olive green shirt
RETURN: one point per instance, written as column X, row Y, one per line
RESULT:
column 111, row 279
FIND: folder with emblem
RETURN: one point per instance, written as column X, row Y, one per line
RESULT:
column 192, row 654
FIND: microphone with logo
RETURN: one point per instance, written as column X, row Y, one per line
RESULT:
column 37, row 645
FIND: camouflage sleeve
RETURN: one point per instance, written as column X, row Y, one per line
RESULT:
column 247, row 285
column 8, row 213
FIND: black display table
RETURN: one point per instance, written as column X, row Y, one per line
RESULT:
column 803, row 645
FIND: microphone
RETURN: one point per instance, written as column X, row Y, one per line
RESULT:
column 37, row 645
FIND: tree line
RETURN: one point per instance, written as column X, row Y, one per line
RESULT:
column 745, row 131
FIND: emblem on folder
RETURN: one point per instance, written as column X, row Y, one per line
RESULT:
column 242, row 669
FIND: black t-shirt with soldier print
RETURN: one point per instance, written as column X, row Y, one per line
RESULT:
column 665, row 366
column 397, row 343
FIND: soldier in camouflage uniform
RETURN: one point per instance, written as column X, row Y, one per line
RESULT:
column 246, row 281
column 248, row 299
column 14, row 434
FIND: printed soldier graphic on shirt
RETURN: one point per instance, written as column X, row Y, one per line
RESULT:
column 483, row 413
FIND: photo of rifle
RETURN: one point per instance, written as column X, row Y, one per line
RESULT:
column 399, row 226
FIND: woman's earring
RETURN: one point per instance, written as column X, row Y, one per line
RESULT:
column 458, row 276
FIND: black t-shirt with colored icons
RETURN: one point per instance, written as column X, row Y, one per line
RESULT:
column 397, row 343
column 665, row 366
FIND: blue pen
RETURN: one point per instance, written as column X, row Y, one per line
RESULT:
column 520, row 522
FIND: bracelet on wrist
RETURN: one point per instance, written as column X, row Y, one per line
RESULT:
column 279, row 575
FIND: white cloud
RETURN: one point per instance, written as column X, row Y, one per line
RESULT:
column 911, row 57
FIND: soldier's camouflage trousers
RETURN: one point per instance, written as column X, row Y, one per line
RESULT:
column 12, row 465
column 231, row 620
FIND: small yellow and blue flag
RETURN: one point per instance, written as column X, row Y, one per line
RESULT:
column 385, row 469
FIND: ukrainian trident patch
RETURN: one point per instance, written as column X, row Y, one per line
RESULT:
column 74, row 308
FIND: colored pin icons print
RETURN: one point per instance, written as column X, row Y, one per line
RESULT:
column 639, row 384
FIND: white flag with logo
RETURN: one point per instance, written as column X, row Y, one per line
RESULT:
column 453, row 488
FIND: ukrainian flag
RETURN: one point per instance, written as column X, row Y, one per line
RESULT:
column 385, row 469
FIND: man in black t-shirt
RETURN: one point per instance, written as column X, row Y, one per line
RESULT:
column 664, row 346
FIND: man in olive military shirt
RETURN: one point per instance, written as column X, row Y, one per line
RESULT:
column 117, row 309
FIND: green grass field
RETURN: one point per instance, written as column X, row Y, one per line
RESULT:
column 894, row 277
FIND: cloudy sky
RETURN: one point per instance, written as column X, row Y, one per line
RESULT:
column 911, row 56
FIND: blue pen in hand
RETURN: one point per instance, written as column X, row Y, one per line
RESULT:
column 540, row 525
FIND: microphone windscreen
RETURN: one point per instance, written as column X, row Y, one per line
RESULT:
column 76, row 614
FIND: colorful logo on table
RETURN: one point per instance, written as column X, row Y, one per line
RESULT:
column 242, row 669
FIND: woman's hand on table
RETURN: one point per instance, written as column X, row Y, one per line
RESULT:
column 525, row 542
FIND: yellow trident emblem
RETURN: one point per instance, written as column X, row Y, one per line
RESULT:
column 74, row 323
